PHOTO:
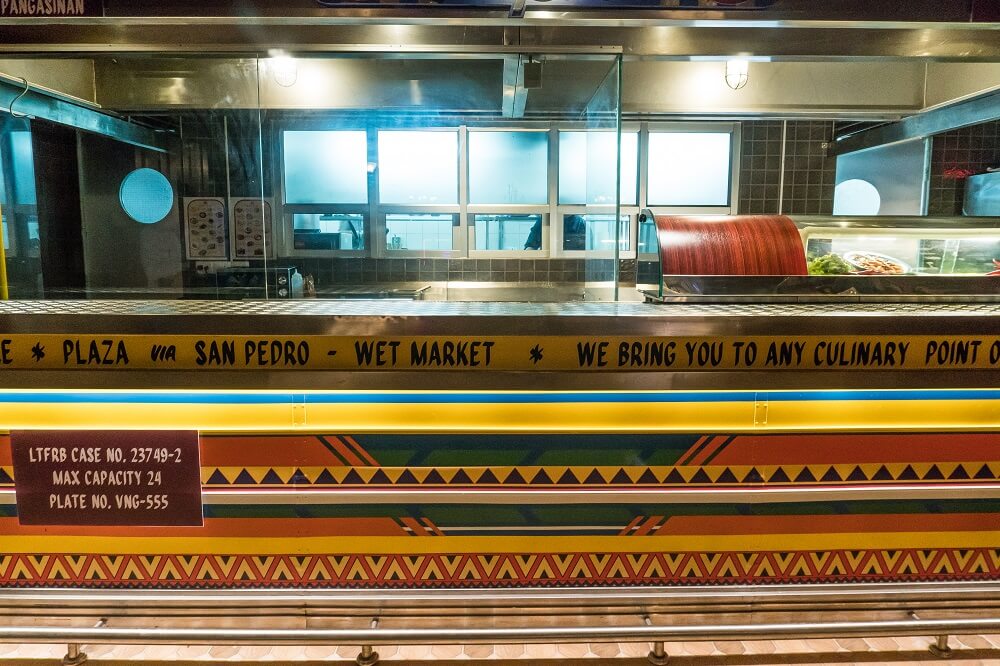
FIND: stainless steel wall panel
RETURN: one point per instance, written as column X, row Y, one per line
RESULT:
column 68, row 76
column 952, row 81
column 547, row 32
column 773, row 87
column 156, row 83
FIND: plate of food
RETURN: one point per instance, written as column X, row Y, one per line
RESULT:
column 876, row 264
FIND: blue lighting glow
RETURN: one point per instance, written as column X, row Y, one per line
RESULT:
column 146, row 195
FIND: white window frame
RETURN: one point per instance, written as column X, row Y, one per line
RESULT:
column 287, row 234
column 379, row 248
column 543, row 209
column 286, row 239
column 559, row 210
column 464, row 230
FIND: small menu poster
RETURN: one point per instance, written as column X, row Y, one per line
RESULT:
column 253, row 236
column 205, row 228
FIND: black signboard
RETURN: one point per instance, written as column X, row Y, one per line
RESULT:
column 100, row 477
column 49, row 8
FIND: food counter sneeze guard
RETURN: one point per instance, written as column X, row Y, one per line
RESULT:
column 819, row 258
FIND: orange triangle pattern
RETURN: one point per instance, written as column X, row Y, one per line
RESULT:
column 497, row 570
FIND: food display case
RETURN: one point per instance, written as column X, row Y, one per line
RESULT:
column 802, row 257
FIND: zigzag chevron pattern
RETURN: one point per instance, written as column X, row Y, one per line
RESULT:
column 499, row 570
column 601, row 476
column 591, row 476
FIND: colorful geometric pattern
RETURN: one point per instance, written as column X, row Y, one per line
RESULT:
column 441, row 570
column 734, row 475
column 598, row 476
column 377, row 539
column 611, row 460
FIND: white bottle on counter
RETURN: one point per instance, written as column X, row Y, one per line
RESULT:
column 296, row 284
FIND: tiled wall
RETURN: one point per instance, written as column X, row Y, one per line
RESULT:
column 971, row 148
column 342, row 271
column 809, row 172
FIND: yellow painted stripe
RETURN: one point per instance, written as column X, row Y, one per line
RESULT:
column 871, row 415
column 205, row 353
column 493, row 544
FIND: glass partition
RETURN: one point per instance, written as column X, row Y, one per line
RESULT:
column 471, row 176
column 318, row 175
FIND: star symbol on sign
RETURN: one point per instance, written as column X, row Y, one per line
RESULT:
column 536, row 354
column 38, row 352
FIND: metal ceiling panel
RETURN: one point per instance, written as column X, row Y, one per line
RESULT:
column 477, row 37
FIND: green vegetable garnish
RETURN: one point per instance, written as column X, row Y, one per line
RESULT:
column 829, row 264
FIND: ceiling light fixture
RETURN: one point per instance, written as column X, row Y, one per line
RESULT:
column 284, row 68
column 737, row 73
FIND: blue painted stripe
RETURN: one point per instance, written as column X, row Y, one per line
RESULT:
column 150, row 398
column 235, row 398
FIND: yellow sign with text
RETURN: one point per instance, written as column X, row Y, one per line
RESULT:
column 523, row 353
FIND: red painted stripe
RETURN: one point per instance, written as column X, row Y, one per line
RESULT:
column 434, row 528
column 360, row 450
column 413, row 524
column 262, row 450
column 649, row 526
column 691, row 451
column 706, row 452
column 342, row 448
column 834, row 448
column 628, row 528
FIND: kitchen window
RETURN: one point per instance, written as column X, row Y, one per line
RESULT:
column 509, row 193
column 588, row 192
column 508, row 167
column 328, row 231
column 509, row 232
column 325, row 167
column 418, row 167
column 423, row 232
column 686, row 168
column 587, row 167
column 419, row 199
column 325, row 176
column 689, row 169
column 594, row 233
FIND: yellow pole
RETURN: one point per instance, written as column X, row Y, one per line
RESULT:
column 3, row 264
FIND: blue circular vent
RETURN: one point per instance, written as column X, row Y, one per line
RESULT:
column 146, row 195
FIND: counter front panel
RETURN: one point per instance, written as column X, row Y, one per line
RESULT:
column 537, row 473
column 481, row 489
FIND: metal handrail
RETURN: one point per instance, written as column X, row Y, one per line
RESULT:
column 494, row 635
column 815, row 596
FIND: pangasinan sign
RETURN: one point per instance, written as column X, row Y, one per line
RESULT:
column 43, row 8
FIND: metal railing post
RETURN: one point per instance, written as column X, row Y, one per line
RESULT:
column 940, row 648
column 368, row 656
column 74, row 657
column 657, row 655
